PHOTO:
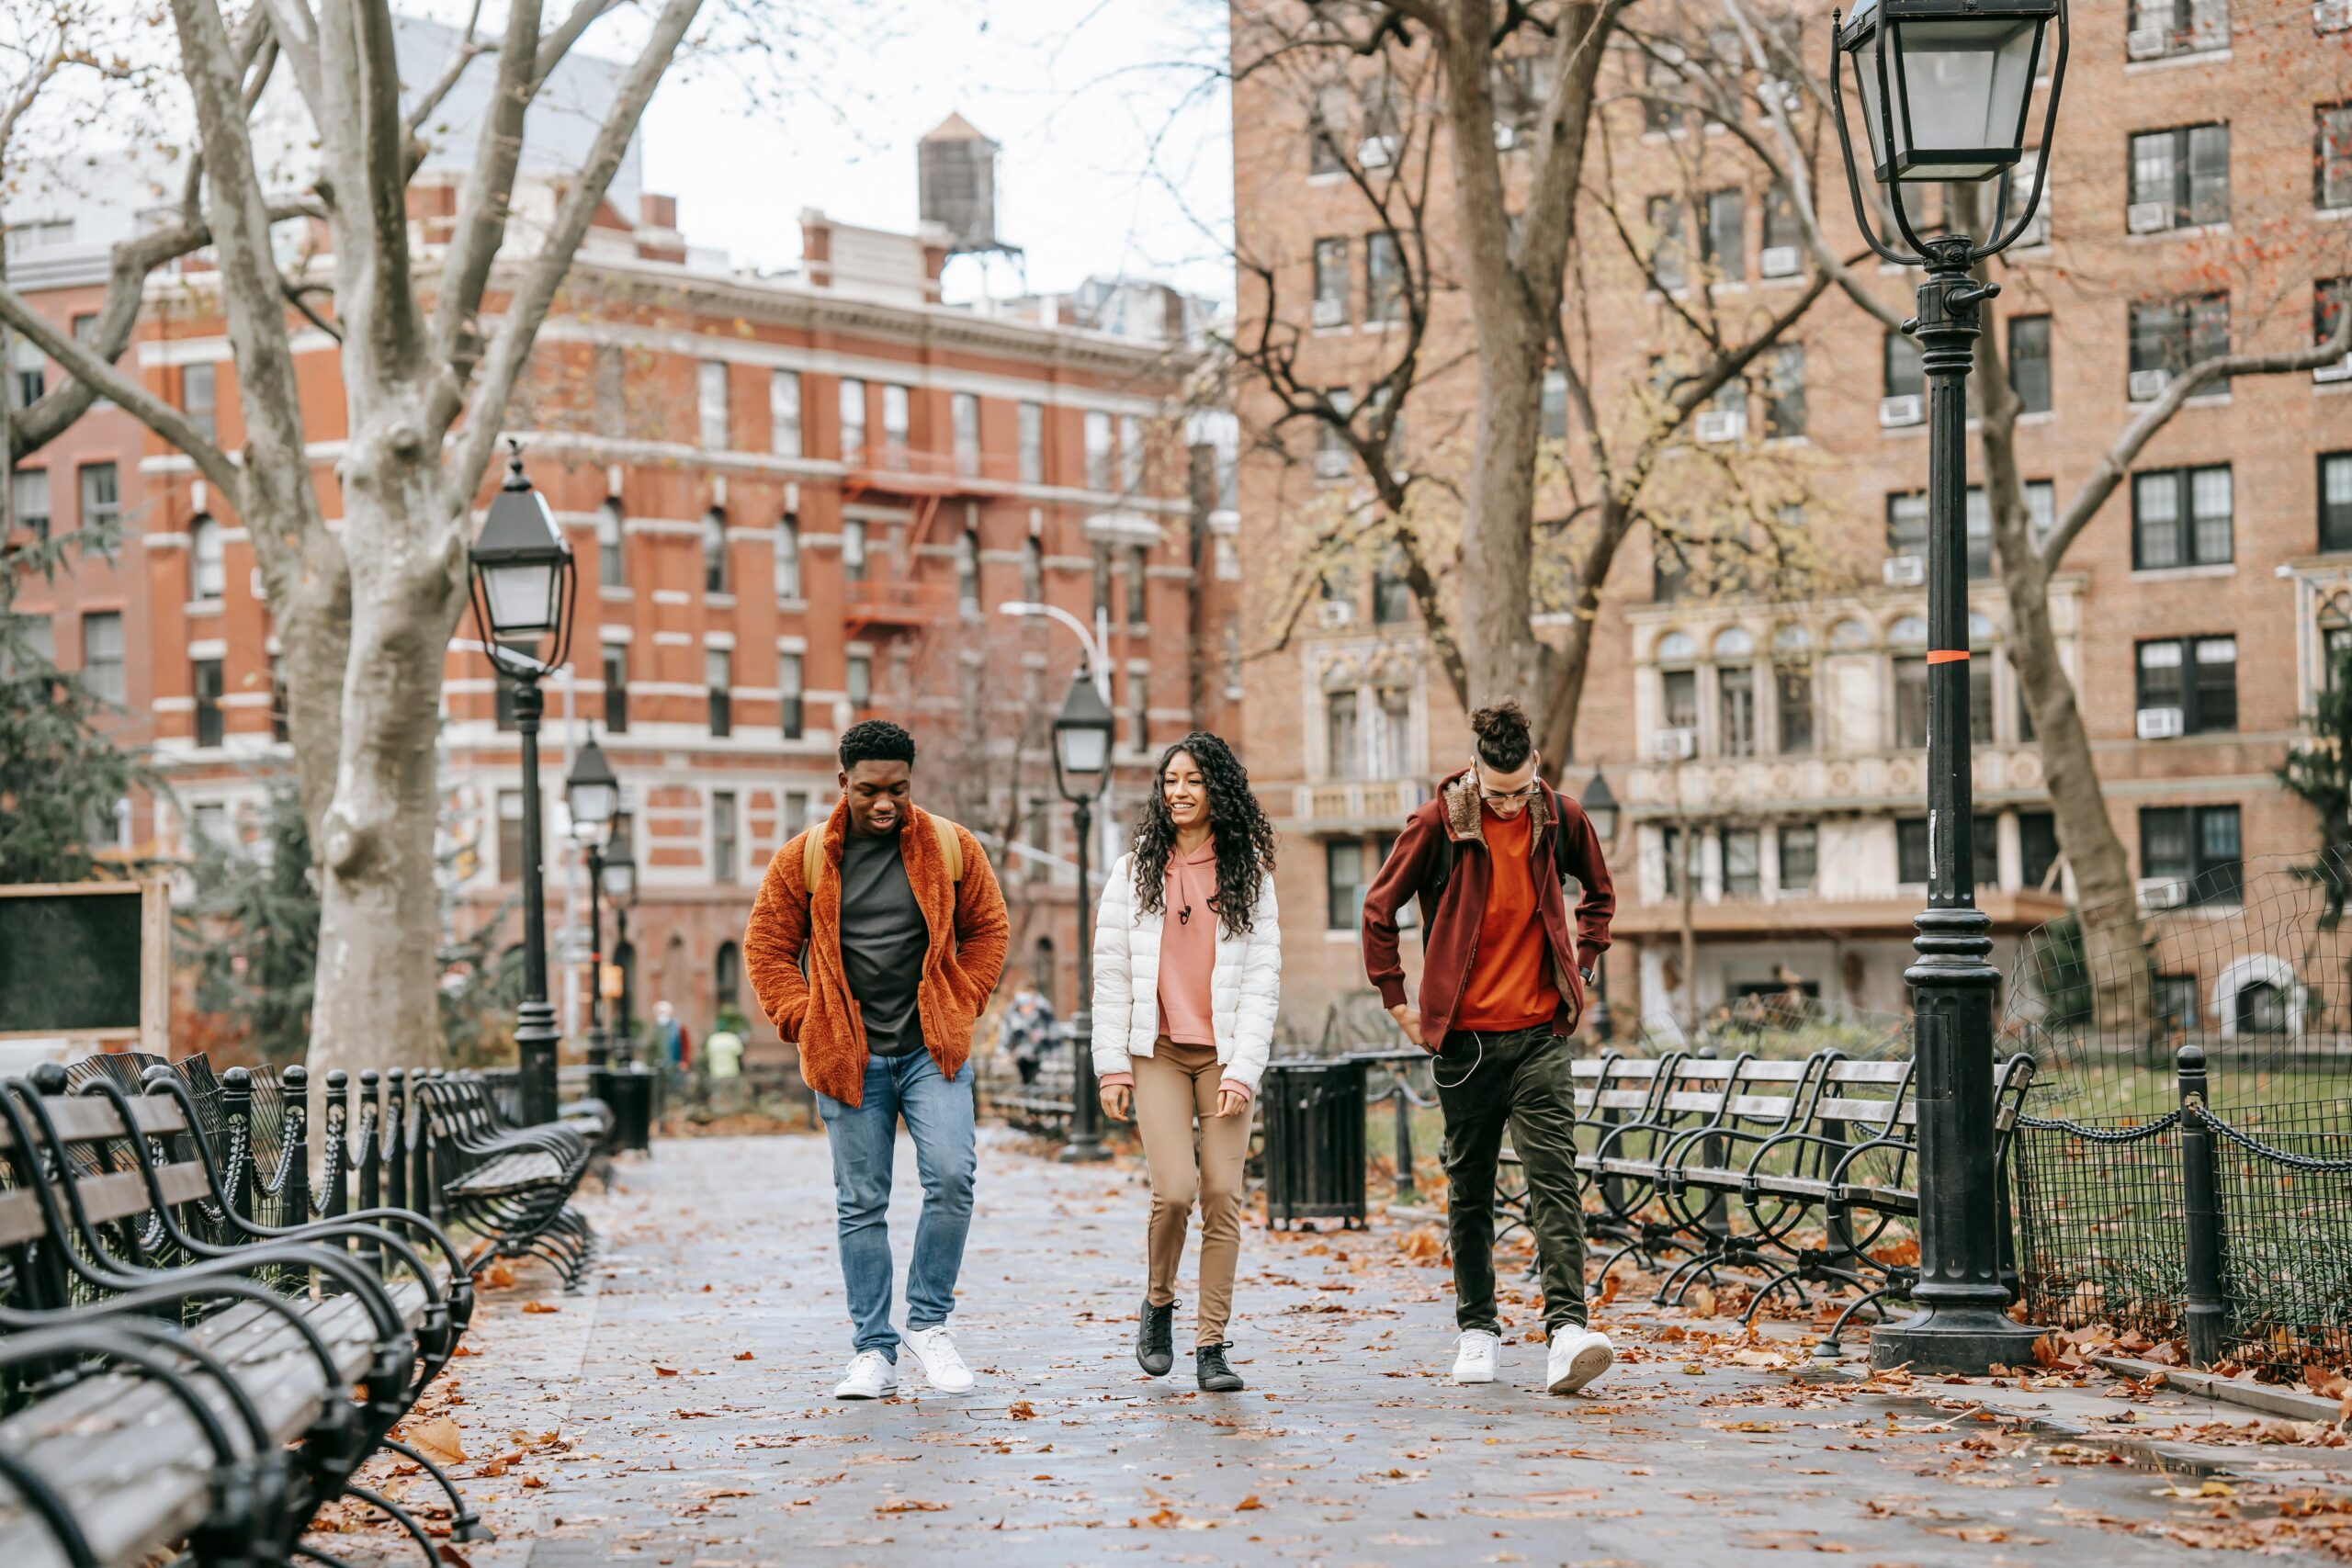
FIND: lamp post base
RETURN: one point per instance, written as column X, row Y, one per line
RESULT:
column 1959, row 1341
column 535, row 1041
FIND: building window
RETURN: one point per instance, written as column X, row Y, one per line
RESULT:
column 2029, row 362
column 1735, row 707
column 965, row 413
column 710, row 403
column 2174, row 998
column 198, row 400
column 2181, row 517
column 102, row 655
column 1344, row 883
column 1784, row 233
column 1911, row 700
column 1342, row 735
column 1033, row 570
column 510, row 835
column 2195, row 845
column 2335, row 502
column 1670, row 265
column 2260, row 1008
column 1131, row 453
column 1785, row 408
column 612, row 546
column 1392, row 754
column 30, row 367
column 1661, row 115
column 967, row 571
column 616, row 687
column 1327, row 130
column 1331, row 301
column 1384, row 280
column 1102, row 578
column 29, row 491
column 1678, row 690
column 853, row 405
column 787, row 557
column 2333, row 157
column 1799, row 856
column 101, row 497
column 1743, row 863
column 2161, row 27
column 723, row 848
column 1139, row 586
column 727, row 978
column 2037, row 848
column 861, row 681
column 206, row 673
column 1906, row 523
column 1138, row 709
column 1913, row 863
column 208, row 565
column 896, row 418
column 1907, row 376
column 1980, row 702
column 2170, row 335
column 1792, row 707
column 1676, row 863
column 715, row 578
column 2197, row 676
column 1098, row 450
column 1723, row 243
column 2179, row 178
column 789, row 677
column 854, row 549
column 1392, row 595
column 1031, row 419
column 719, row 675
column 783, row 414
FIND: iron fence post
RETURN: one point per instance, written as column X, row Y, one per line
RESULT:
column 1408, row 1194
column 2206, row 1312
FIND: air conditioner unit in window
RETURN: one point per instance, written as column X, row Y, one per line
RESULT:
column 2147, row 386
column 1330, row 312
column 1675, row 745
column 1718, row 425
column 2160, row 724
column 2148, row 217
column 2163, row 893
column 2339, row 371
column 2144, row 43
column 1377, row 152
column 1331, row 463
column 1904, row 572
column 2332, row 15
column 1333, row 614
column 1908, row 409
column 1781, row 261
column 1506, row 136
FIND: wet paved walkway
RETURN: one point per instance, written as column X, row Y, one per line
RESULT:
column 679, row 1414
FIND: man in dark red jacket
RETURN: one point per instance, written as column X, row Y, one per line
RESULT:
column 1503, row 981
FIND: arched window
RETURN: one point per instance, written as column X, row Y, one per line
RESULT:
column 1677, row 647
column 1909, row 638
column 1678, row 683
column 1849, row 633
column 1911, row 631
column 727, row 977
column 1734, row 642
column 1791, row 640
column 612, row 560
column 1736, row 691
column 787, row 557
column 713, row 553
column 208, row 567
column 2261, row 1008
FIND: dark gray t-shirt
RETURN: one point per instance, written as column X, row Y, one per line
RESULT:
column 884, row 940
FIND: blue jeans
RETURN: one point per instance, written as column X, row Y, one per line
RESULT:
column 864, row 1138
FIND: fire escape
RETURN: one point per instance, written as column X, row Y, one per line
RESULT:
column 891, row 596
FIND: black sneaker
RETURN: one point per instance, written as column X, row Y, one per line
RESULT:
column 1216, row 1377
column 1155, row 1338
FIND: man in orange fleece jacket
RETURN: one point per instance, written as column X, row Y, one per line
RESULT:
column 878, row 971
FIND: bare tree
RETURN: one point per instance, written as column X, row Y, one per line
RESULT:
column 430, row 353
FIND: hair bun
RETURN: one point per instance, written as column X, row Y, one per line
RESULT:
column 1505, row 738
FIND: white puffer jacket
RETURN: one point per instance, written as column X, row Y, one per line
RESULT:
column 1245, row 987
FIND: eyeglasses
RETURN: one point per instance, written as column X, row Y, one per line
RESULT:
column 1500, row 797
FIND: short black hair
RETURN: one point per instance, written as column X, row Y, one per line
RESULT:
column 877, row 740
column 1504, row 740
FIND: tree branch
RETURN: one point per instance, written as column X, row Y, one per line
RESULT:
column 485, row 200
column 430, row 100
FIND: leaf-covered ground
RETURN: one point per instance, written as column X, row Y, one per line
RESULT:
column 680, row 1413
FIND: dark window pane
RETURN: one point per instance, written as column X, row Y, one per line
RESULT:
column 2029, row 362
column 1905, row 376
column 2037, row 847
column 1795, row 701
column 1343, row 880
column 209, row 726
column 1799, row 857
column 2335, row 502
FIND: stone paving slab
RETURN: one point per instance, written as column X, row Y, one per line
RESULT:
column 691, row 1390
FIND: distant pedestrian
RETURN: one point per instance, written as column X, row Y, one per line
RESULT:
column 1026, row 1033
column 722, row 1064
column 1502, row 985
column 1187, row 982
column 898, row 920
column 671, row 1041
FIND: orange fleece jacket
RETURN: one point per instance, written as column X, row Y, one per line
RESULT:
column 815, row 1011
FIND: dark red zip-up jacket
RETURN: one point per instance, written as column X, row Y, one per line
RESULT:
column 1451, row 942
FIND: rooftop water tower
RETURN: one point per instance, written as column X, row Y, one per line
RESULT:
column 957, row 168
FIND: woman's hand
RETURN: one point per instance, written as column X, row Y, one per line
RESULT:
column 1231, row 1101
column 1118, row 1102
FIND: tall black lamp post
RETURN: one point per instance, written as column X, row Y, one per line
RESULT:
column 1946, row 86
column 618, row 871
column 1081, row 757
column 1600, row 805
column 523, row 583
column 594, row 795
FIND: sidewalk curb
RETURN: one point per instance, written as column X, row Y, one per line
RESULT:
column 2269, row 1399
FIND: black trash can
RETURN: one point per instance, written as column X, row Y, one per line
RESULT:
column 1314, row 1113
column 629, row 1093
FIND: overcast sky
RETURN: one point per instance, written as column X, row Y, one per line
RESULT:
column 1115, row 128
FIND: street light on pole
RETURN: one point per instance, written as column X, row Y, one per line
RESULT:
column 1946, row 86
column 618, row 875
column 1082, row 759
column 594, row 795
column 523, row 585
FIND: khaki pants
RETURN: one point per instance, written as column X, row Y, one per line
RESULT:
column 1173, row 1085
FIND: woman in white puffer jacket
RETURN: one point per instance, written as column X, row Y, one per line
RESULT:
column 1187, row 980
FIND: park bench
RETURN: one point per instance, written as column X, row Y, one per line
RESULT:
column 512, row 1185
column 178, row 1375
column 1041, row 1105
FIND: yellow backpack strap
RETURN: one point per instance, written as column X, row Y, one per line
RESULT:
column 951, row 848
column 812, row 858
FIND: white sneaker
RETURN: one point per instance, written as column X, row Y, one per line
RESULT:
column 870, row 1376
column 935, row 1348
column 1474, row 1361
column 1578, row 1355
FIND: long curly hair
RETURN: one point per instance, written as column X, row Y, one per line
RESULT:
column 1244, row 838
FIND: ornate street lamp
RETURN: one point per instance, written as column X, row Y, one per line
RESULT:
column 1600, row 805
column 594, row 794
column 523, row 583
column 1946, row 86
column 1081, row 760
